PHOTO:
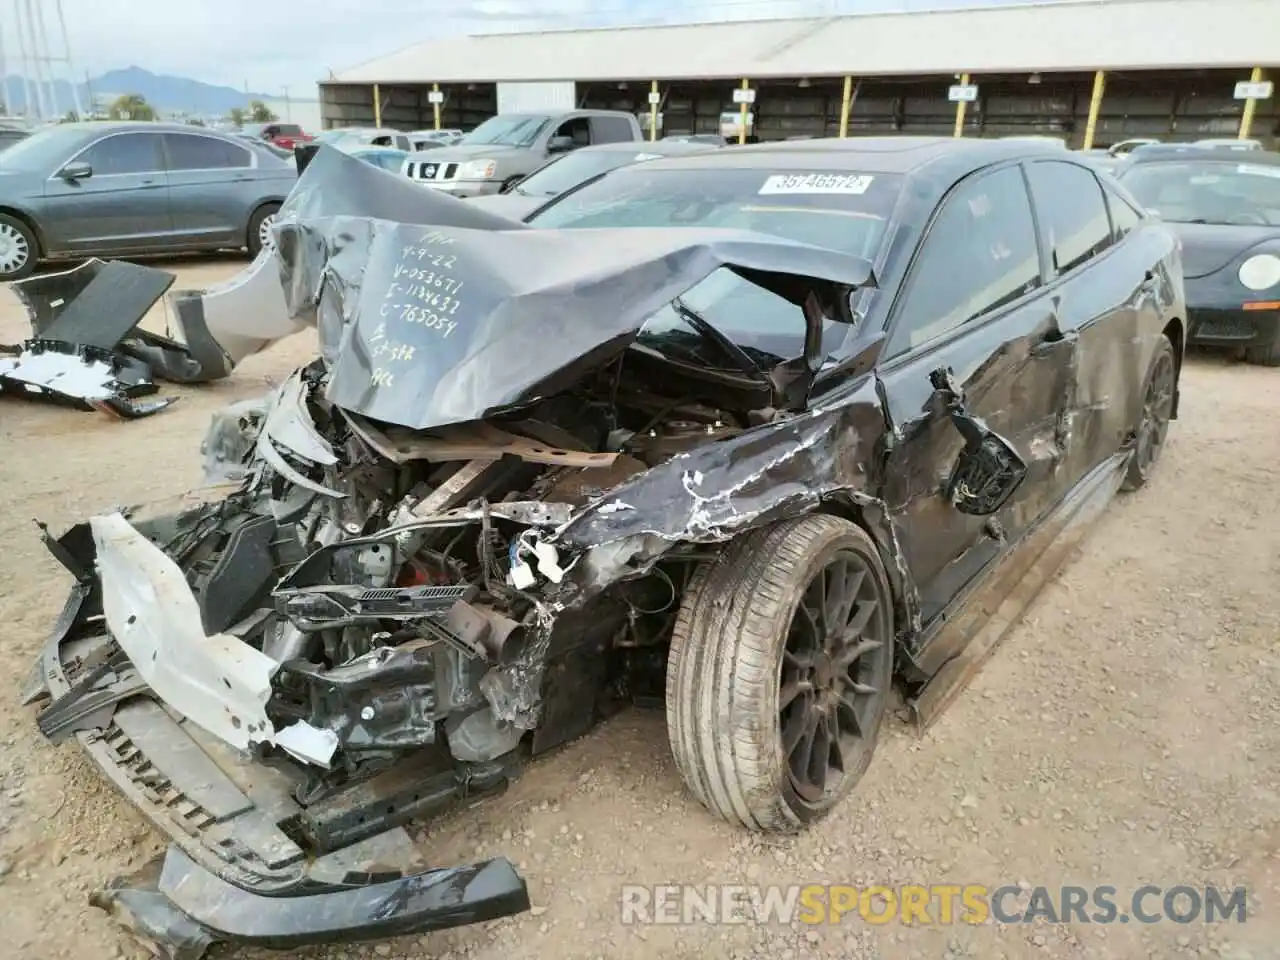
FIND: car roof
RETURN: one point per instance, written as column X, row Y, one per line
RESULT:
column 863, row 154
column 1165, row 152
column 142, row 126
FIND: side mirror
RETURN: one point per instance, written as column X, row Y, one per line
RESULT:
column 559, row 144
column 988, row 471
column 76, row 171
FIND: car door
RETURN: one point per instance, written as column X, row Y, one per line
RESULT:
column 972, row 311
column 212, row 188
column 122, row 206
column 1106, row 293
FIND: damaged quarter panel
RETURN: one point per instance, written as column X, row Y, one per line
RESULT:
column 1114, row 278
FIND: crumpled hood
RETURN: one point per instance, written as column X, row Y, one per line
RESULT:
column 459, row 314
column 1208, row 247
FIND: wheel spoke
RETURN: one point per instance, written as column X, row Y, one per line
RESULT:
column 801, row 755
column 847, row 710
column 806, row 619
column 835, row 751
column 789, row 692
column 858, row 622
column 797, row 661
column 819, row 753
column 794, row 728
column 850, row 586
column 819, row 601
column 850, row 655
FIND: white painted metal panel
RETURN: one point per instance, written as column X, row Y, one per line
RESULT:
column 530, row 97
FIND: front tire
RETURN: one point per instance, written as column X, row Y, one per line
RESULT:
column 1157, row 407
column 779, row 672
column 19, row 251
column 259, row 233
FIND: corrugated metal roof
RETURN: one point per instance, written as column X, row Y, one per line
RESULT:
column 1100, row 34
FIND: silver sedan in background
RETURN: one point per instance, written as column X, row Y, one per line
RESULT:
column 123, row 189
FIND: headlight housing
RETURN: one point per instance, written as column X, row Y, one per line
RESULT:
column 1260, row 272
column 478, row 170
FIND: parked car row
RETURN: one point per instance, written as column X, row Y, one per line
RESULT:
column 119, row 189
column 125, row 189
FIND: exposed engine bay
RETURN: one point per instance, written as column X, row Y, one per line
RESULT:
column 396, row 597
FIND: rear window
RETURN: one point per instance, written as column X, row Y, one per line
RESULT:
column 836, row 209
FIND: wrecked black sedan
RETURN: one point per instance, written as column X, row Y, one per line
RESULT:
column 756, row 432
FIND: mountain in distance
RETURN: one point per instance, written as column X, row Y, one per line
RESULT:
column 165, row 93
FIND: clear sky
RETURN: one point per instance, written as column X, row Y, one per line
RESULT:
column 273, row 43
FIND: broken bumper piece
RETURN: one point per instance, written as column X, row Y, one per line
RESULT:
column 82, row 376
column 186, row 909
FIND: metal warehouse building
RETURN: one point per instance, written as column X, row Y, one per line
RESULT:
column 1170, row 69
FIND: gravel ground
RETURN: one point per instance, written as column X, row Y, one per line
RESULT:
column 1126, row 733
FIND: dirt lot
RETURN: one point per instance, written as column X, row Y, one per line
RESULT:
column 1127, row 733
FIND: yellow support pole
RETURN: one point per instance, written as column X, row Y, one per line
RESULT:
column 435, row 88
column 653, row 111
column 1246, row 117
column 960, row 105
column 377, row 106
column 1095, row 104
column 845, row 105
column 742, row 118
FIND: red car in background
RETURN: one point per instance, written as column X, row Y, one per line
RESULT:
column 283, row 135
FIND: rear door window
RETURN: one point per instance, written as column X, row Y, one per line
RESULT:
column 188, row 151
column 1072, row 211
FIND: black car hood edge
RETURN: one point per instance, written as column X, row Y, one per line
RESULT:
column 1208, row 247
column 433, row 312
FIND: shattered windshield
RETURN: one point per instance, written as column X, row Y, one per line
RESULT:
column 838, row 210
column 509, row 130
column 1208, row 191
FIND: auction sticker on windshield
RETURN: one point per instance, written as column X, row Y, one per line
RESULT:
column 817, row 183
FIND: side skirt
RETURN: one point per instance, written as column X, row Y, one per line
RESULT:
column 1004, row 595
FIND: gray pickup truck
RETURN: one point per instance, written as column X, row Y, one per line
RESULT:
column 510, row 146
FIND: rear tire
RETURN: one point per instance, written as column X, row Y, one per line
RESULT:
column 19, row 252
column 762, row 740
column 259, row 235
column 1157, row 407
column 1266, row 354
